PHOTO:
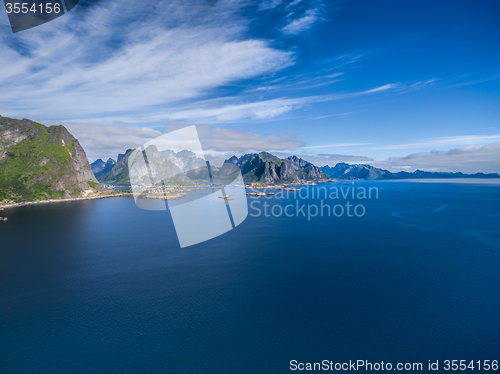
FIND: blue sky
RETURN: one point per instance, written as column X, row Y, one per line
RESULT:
column 400, row 85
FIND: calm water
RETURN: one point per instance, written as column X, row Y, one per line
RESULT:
column 103, row 287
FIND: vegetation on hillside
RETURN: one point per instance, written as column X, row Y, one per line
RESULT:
column 40, row 166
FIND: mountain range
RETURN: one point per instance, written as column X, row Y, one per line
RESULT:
column 361, row 171
column 266, row 168
column 260, row 167
column 39, row 162
column 171, row 166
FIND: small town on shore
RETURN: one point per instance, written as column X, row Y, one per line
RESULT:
column 165, row 192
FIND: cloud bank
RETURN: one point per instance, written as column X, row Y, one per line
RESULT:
column 471, row 159
column 107, row 140
column 117, row 56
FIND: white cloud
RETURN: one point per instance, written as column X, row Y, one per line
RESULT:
column 293, row 3
column 231, row 140
column 104, row 59
column 269, row 4
column 382, row 88
column 422, row 84
column 336, row 145
column 471, row 159
column 475, row 81
column 116, row 61
column 335, row 75
column 107, row 140
column 323, row 159
column 301, row 24
column 233, row 112
column 213, row 112
column 444, row 141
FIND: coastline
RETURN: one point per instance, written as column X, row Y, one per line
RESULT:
column 180, row 194
column 171, row 196
column 51, row 201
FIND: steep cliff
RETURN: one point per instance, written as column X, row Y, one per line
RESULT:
column 39, row 162
column 267, row 168
column 306, row 170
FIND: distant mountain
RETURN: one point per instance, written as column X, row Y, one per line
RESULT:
column 360, row 171
column 119, row 172
column 346, row 171
column 267, row 168
column 185, row 160
column 167, row 165
column 161, row 167
column 305, row 170
column 419, row 174
column 101, row 168
column 39, row 162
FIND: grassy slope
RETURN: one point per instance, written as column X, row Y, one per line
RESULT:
column 22, row 166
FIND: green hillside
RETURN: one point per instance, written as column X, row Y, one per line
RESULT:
column 39, row 162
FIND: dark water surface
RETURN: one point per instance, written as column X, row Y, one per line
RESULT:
column 103, row 287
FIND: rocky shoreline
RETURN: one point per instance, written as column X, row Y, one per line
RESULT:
column 50, row 201
column 171, row 196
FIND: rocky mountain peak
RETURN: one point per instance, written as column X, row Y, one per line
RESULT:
column 39, row 162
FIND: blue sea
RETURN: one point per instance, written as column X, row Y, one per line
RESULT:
column 102, row 286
